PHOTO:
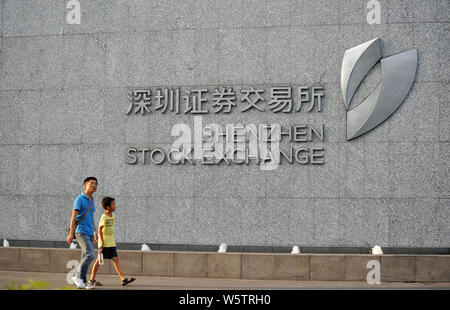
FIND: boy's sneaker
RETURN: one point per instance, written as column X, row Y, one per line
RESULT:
column 79, row 283
column 89, row 286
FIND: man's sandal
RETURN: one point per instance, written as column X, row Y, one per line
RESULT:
column 95, row 282
column 126, row 281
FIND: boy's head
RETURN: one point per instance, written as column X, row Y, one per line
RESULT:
column 90, row 184
column 108, row 203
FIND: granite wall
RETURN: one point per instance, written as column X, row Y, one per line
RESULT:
column 63, row 101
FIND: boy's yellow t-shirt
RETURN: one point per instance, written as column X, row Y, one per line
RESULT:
column 107, row 231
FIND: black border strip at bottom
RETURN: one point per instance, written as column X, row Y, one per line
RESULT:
column 230, row 299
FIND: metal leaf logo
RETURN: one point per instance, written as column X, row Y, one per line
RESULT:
column 397, row 76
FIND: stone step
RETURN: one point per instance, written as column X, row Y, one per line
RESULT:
column 255, row 266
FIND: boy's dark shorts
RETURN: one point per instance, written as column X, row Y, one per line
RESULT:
column 109, row 253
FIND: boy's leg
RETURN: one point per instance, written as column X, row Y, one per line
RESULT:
column 117, row 266
column 87, row 255
column 94, row 269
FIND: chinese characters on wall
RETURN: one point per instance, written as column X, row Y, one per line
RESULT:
column 231, row 143
column 279, row 99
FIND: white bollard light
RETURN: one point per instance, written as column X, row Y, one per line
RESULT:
column 376, row 250
column 145, row 248
column 222, row 248
column 295, row 250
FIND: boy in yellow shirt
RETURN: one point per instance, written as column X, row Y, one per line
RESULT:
column 106, row 243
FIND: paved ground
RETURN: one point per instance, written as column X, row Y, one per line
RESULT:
column 58, row 280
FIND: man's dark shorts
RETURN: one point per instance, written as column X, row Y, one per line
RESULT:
column 109, row 253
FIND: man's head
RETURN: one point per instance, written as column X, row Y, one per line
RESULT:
column 90, row 185
column 108, row 203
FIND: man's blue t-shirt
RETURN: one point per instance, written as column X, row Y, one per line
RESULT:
column 82, row 204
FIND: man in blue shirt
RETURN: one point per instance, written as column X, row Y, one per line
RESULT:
column 85, row 231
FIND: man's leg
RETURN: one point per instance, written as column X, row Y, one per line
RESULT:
column 87, row 255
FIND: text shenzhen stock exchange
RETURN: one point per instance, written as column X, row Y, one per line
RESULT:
column 238, row 143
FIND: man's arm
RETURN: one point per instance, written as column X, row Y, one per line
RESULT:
column 95, row 235
column 100, row 235
column 72, row 226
